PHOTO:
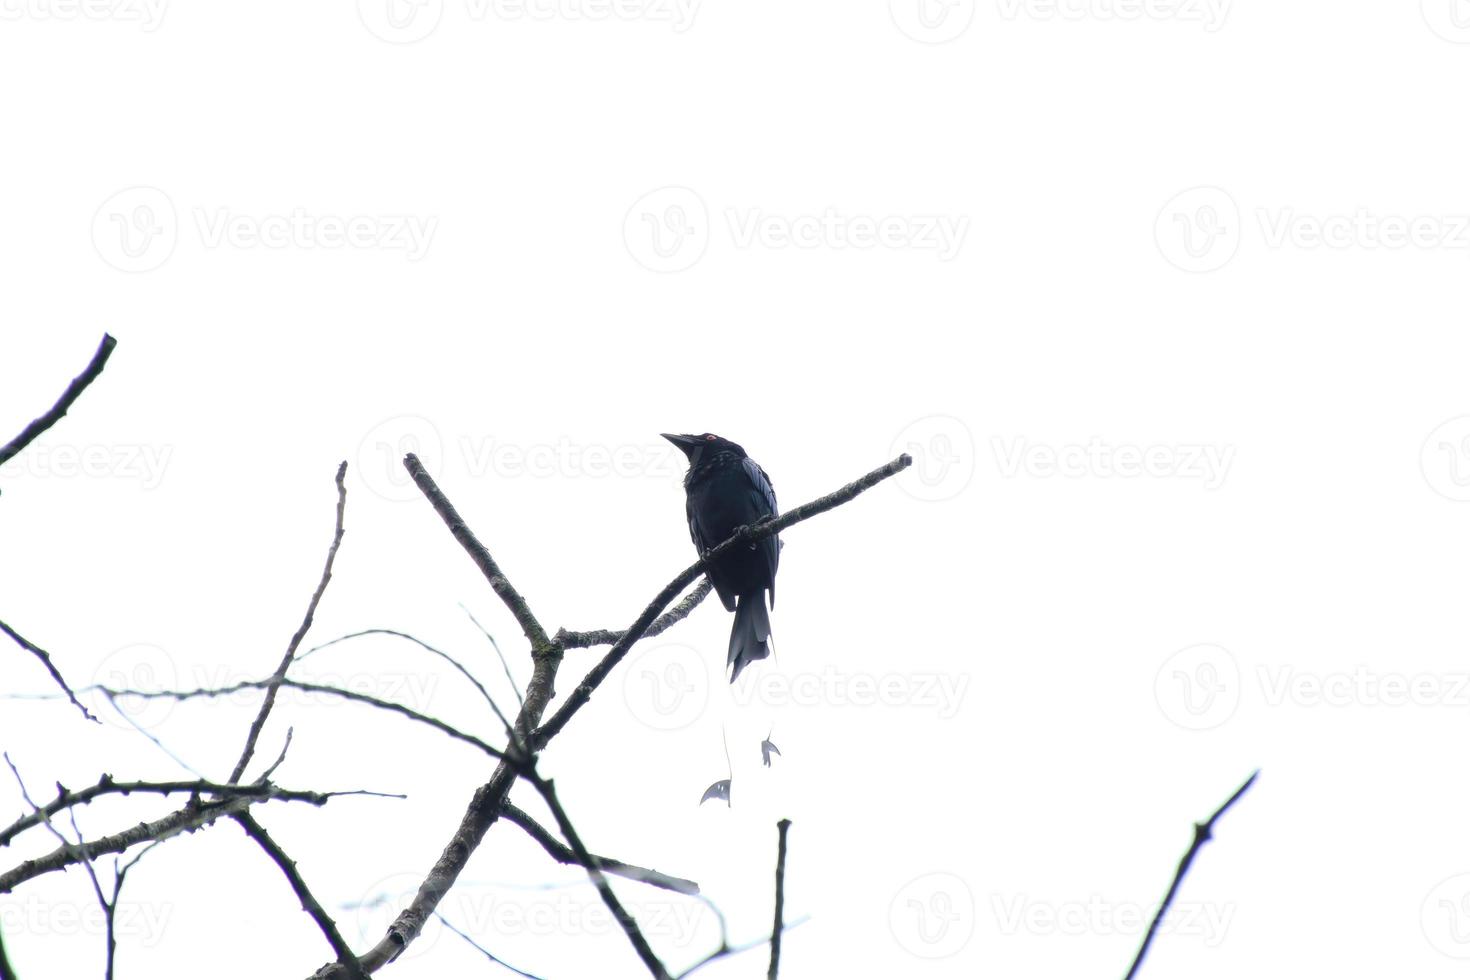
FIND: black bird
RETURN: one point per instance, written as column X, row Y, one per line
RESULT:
column 726, row 490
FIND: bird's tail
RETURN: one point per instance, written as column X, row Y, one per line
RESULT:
column 750, row 636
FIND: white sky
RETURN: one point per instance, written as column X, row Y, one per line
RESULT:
column 1224, row 245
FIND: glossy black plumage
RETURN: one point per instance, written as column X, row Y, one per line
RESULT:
column 725, row 490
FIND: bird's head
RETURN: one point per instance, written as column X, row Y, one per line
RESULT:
column 703, row 445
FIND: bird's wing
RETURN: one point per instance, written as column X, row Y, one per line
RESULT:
column 702, row 543
column 763, row 497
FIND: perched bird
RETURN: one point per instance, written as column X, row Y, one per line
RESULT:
column 726, row 490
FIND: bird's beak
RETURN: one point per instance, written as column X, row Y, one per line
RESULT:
column 685, row 443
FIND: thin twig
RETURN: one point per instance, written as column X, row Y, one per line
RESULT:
column 504, row 664
column 583, row 691
column 624, row 918
column 437, row 652
column 412, row 639
column 487, row 954
column 513, row 600
column 565, row 855
column 109, row 909
column 137, row 727
column 572, row 640
column 270, row 770
column 106, row 786
column 189, row 818
column 781, row 827
column 64, row 403
column 119, row 875
column 309, row 903
column 1202, row 833
column 376, row 702
column 269, row 700
column 45, row 659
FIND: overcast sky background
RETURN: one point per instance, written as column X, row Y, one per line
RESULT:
column 1166, row 299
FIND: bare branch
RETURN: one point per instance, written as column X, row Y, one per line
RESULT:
column 7, row 972
column 431, row 649
column 565, row 855
column 187, row 819
column 781, row 827
column 487, row 954
column 481, row 556
column 463, row 670
column 1202, row 833
column 681, row 609
column 482, row 812
column 309, row 903
column 393, row 706
column 583, row 691
column 64, row 403
column 106, row 786
column 269, row 700
column 504, row 664
column 45, row 659
column 624, row 918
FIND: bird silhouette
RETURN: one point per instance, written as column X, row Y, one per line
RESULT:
column 726, row 490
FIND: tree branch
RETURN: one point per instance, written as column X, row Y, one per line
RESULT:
column 781, row 827
column 565, row 855
column 570, row 640
column 309, row 903
column 341, row 692
column 66, row 799
column 269, row 700
column 186, row 820
column 1202, row 833
column 481, row 556
column 45, row 659
column 609, row 898
column 63, row 404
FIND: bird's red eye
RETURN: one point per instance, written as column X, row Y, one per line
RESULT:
column 709, row 438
